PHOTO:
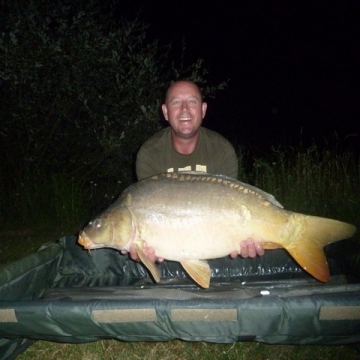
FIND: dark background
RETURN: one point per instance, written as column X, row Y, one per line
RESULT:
column 293, row 66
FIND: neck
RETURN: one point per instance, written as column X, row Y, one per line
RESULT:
column 185, row 146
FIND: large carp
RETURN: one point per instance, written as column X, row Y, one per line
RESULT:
column 190, row 217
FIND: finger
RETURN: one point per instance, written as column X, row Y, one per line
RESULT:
column 133, row 253
column 244, row 249
column 259, row 248
column 234, row 254
column 150, row 253
column 251, row 249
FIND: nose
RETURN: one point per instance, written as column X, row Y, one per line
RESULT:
column 184, row 106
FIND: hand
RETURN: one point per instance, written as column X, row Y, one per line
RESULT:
column 149, row 252
column 248, row 248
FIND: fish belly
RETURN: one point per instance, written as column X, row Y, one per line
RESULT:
column 194, row 239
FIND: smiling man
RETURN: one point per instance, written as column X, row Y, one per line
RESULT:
column 185, row 145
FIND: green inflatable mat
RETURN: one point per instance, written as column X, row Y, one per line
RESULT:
column 63, row 293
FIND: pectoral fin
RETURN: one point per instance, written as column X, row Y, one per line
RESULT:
column 198, row 270
column 150, row 265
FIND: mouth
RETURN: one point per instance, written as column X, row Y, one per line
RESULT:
column 84, row 241
column 185, row 118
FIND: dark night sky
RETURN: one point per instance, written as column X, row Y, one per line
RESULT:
column 293, row 65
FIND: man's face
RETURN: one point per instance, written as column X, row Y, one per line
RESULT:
column 184, row 109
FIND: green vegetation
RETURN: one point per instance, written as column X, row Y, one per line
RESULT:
column 316, row 181
column 80, row 93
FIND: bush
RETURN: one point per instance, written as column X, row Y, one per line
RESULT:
column 81, row 93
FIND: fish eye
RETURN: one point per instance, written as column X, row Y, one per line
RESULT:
column 97, row 223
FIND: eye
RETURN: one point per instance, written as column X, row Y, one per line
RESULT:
column 97, row 223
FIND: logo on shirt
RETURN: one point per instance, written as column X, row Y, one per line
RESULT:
column 200, row 168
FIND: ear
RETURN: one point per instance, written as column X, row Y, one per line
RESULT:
column 203, row 109
column 165, row 112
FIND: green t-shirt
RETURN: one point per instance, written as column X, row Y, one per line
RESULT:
column 213, row 154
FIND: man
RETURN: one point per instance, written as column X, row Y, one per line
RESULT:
column 186, row 146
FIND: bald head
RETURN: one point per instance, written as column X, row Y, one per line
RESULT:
column 184, row 108
column 183, row 82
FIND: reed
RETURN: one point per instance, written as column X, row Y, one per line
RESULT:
column 322, row 182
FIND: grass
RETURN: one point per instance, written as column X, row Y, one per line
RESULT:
column 314, row 181
column 181, row 350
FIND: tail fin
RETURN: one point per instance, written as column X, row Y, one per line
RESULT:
column 316, row 232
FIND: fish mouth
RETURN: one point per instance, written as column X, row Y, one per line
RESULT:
column 85, row 241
